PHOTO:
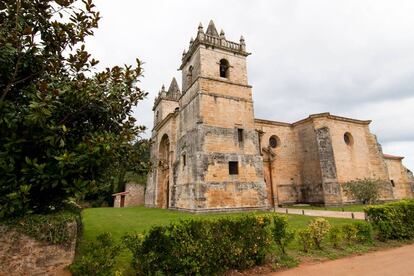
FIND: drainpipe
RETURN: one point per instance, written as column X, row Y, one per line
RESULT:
column 270, row 160
column 271, row 182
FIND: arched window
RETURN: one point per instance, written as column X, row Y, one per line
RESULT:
column 224, row 68
column 348, row 139
column 190, row 75
column 274, row 141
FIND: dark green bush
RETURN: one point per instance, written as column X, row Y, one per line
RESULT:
column 281, row 235
column 335, row 236
column 393, row 220
column 98, row 258
column 364, row 232
column 53, row 228
column 203, row 247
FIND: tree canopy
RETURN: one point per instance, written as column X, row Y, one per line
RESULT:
column 365, row 190
column 63, row 125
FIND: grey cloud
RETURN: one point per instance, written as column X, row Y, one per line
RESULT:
column 351, row 58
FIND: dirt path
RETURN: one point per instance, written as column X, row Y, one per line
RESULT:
column 396, row 261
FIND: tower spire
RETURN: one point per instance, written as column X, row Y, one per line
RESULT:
column 173, row 89
column 211, row 29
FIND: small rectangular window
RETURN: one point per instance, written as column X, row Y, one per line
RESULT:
column 392, row 183
column 184, row 160
column 233, row 167
column 240, row 134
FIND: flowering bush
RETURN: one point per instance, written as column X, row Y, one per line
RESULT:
column 305, row 239
column 318, row 229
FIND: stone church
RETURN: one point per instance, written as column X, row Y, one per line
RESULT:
column 209, row 152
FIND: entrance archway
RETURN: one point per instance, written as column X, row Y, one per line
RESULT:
column 163, row 172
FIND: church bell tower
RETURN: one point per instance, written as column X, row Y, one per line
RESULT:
column 218, row 165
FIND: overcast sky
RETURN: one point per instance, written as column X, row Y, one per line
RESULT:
column 350, row 58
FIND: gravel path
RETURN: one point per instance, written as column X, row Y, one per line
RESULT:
column 322, row 213
column 391, row 262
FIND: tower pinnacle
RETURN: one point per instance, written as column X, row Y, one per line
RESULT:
column 211, row 29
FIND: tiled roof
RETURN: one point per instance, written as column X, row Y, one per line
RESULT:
column 389, row 156
column 121, row 193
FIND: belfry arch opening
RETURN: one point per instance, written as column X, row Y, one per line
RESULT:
column 163, row 172
column 190, row 75
column 224, row 68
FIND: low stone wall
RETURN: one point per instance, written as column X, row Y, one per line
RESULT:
column 23, row 255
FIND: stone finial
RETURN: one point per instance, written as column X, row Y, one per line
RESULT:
column 242, row 44
column 184, row 52
column 222, row 35
column 211, row 29
column 163, row 88
column 200, row 33
column 191, row 41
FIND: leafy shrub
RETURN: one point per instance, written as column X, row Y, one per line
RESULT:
column 281, row 235
column 98, row 257
column 364, row 232
column 65, row 129
column 134, row 243
column 53, row 228
column 335, row 236
column 393, row 220
column 205, row 247
column 305, row 239
column 365, row 190
column 350, row 233
column 318, row 229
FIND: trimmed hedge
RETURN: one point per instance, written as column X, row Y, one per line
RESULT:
column 98, row 258
column 393, row 220
column 206, row 247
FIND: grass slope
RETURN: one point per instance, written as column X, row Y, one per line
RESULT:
column 119, row 221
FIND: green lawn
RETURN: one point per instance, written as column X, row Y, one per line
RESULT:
column 119, row 221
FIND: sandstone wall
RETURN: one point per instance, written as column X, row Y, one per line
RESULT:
column 156, row 186
column 311, row 189
column 361, row 158
column 210, row 60
column 188, row 78
column 164, row 108
column 212, row 110
column 398, row 174
column 285, row 166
